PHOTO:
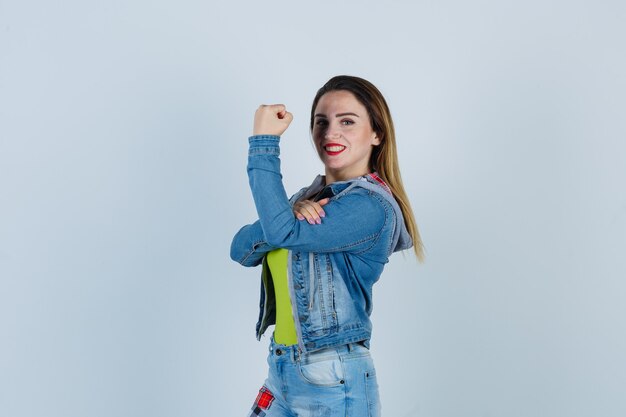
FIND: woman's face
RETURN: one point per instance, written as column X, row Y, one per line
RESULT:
column 343, row 135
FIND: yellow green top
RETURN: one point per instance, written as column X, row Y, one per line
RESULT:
column 285, row 330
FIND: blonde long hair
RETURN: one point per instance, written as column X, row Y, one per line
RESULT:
column 384, row 158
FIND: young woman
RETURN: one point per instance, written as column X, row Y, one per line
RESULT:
column 323, row 249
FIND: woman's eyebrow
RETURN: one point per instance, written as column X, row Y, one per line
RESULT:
column 337, row 115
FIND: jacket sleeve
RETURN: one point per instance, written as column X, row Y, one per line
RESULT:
column 353, row 223
column 249, row 246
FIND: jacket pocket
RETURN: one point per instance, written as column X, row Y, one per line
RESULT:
column 322, row 317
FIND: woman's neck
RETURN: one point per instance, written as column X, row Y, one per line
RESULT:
column 330, row 178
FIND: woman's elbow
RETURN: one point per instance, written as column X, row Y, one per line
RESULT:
column 239, row 251
column 235, row 253
column 244, row 255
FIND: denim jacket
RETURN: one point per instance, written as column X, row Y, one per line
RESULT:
column 332, row 266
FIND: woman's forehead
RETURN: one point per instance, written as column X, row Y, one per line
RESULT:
column 336, row 103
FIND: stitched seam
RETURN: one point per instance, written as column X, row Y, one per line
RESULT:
column 353, row 244
column 264, row 151
column 246, row 256
column 385, row 205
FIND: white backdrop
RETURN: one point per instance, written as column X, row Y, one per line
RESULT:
column 123, row 140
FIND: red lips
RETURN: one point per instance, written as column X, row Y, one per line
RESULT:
column 334, row 148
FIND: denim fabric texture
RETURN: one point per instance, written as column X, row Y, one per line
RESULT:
column 332, row 266
column 331, row 382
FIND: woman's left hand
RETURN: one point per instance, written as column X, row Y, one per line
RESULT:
column 310, row 210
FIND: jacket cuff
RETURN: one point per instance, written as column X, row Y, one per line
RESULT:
column 264, row 145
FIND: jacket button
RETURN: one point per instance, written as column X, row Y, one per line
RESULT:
column 302, row 318
column 297, row 286
column 279, row 352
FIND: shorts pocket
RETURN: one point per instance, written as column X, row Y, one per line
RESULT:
column 322, row 369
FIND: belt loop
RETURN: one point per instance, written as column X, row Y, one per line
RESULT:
column 350, row 347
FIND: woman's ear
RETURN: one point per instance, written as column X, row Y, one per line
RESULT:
column 375, row 140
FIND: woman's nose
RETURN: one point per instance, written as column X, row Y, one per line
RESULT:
column 331, row 133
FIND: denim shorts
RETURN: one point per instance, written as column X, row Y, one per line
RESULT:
column 332, row 382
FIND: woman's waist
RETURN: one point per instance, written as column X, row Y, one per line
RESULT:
column 294, row 353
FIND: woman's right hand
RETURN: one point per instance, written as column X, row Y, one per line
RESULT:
column 271, row 119
column 310, row 210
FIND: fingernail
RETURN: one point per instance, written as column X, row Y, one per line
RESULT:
column 322, row 214
column 318, row 221
column 311, row 221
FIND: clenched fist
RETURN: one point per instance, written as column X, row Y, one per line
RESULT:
column 271, row 119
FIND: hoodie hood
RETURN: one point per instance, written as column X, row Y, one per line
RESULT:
column 401, row 238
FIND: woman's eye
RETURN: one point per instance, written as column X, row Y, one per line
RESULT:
column 320, row 122
column 347, row 122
